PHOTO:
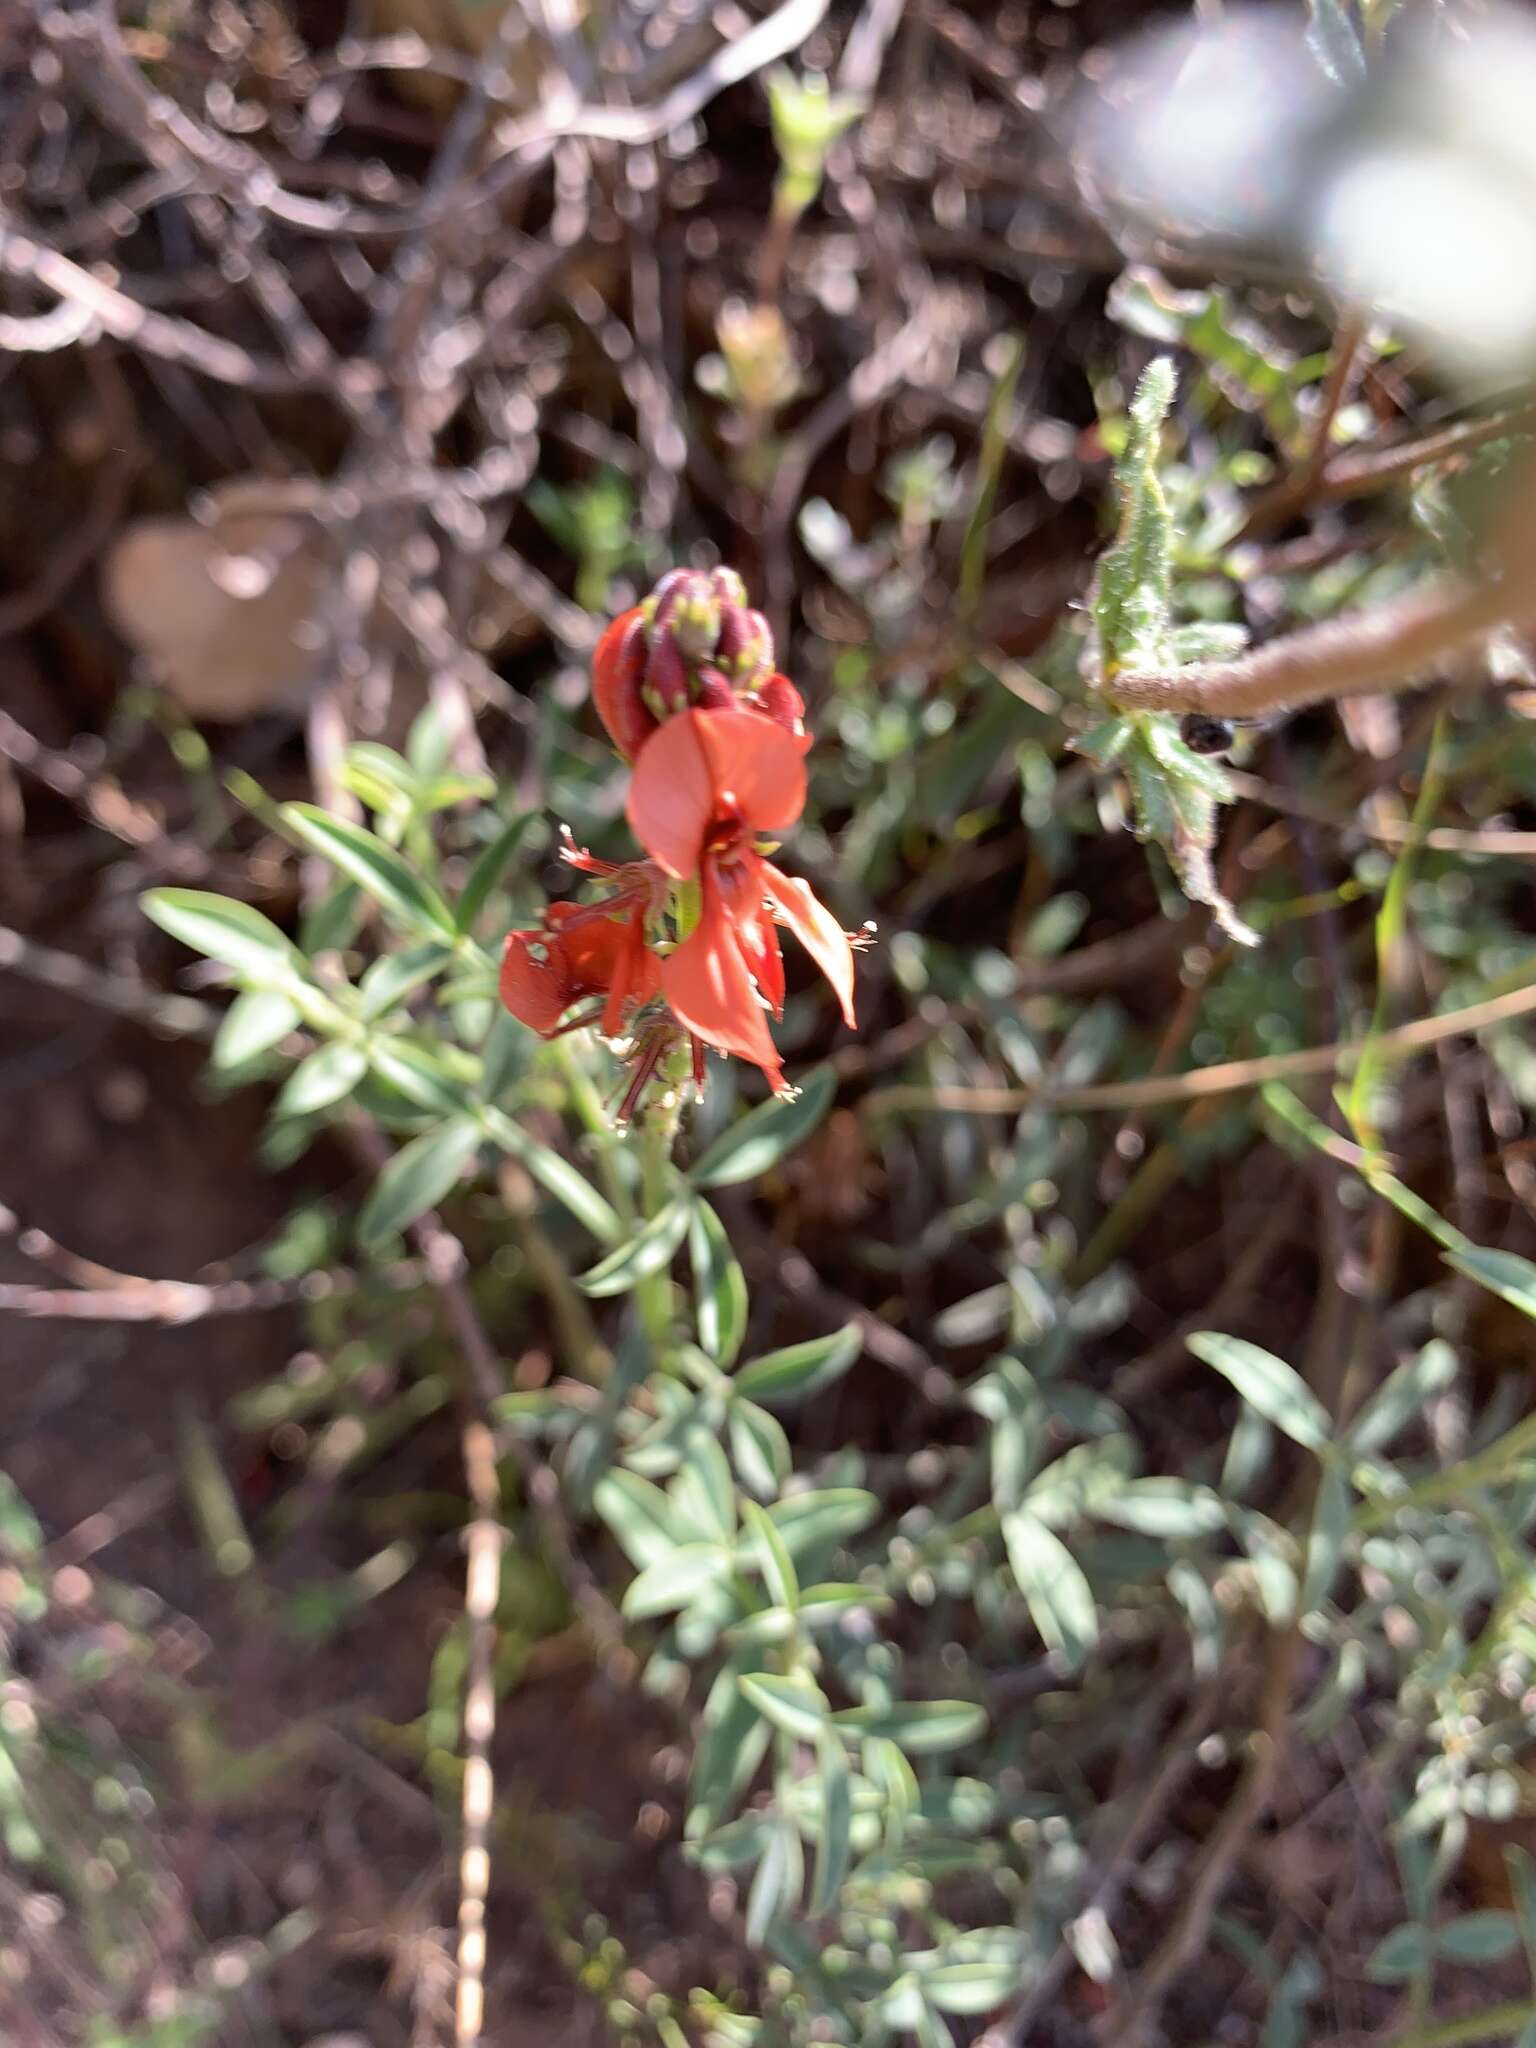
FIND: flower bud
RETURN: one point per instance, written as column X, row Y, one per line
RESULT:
column 713, row 692
column 666, row 689
column 745, row 650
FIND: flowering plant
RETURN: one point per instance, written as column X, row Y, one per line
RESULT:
column 681, row 949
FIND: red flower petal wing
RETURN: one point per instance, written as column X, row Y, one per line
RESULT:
column 816, row 929
column 741, row 895
column 710, row 992
column 755, row 764
column 618, row 668
column 672, row 794
column 533, row 983
column 636, row 976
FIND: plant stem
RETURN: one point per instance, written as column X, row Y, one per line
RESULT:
column 657, row 1134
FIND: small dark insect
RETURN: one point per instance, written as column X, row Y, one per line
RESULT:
column 1204, row 735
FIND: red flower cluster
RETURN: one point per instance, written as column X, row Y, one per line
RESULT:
column 682, row 949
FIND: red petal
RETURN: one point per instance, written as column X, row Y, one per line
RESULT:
column 816, row 929
column 618, row 669
column 710, row 992
column 636, row 976
column 741, row 894
column 760, row 770
column 533, row 985
column 779, row 700
column 672, row 797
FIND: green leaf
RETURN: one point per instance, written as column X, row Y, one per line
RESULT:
column 1505, row 1274
column 331, row 924
column 417, row 1075
column 835, row 1832
column 775, row 1879
column 1407, row 1952
column 1478, row 1938
column 385, row 874
column 1276, row 1390
column 488, row 869
column 795, row 1705
column 225, row 930
column 651, row 1251
column 781, row 1378
column 557, row 1175
column 759, row 1448
column 676, row 1579
column 1333, row 42
column 919, row 1727
column 1168, row 1508
column 765, row 1134
column 417, row 1178
column 809, row 1521
column 391, row 979
column 773, row 1558
column 1401, row 1397
column 1059, row 1596
column 321, row 1080
column 1328, row 1536
column 971, row 1988
column 720, row 1286
column 252, row 1025
column 733, row 1739
column 639, row 1514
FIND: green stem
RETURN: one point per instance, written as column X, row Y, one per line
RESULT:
column 588, row 1105
column 657, row 1134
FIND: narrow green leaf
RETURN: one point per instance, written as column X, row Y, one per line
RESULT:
column 252, row 1025
column 1333, row 42
column 773, row 1558
column 781, row 1378
column 795, row 1705
column 970, row 1988
column 759, row 1449
column 1407, row 1952
column 919, row 1727
column 391, row 979
column 1267, row 1384
column 417, row 1178
column 1059, row 1596
column 808, row 1521
column 639, row 1514
column 1486, row 1937
column 1401, row 1397
column 417, row 1075
column 720, row 1286
column 1327, row 1538
column 835, row 1832
column 765, row 1134
column 488, row 870
column 1168, row 1508
column 386, row 875
column 646, row 1253
column 771, row 1883
column 1505, row 1274
column 732, row 1741
column 676, row 1579
column 321, row 1080
column 558, row 1176
column 224, row 930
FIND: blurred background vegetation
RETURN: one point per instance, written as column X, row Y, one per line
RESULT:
column 1099, row 1609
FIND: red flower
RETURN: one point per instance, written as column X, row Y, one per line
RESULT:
column 579, row 951
column 707, row 783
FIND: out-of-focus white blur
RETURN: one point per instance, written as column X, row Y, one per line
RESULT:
column 1408, row 186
